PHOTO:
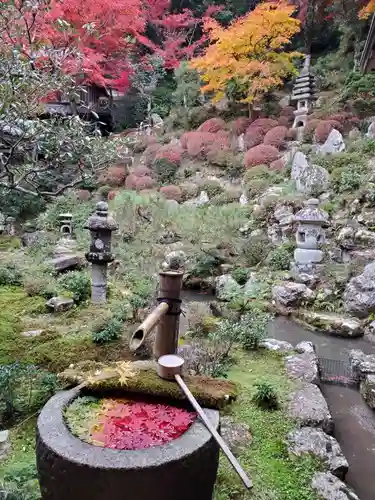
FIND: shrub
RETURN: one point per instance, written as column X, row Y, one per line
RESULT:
column 253, row 136
column 277, row 165
column 110, row 333
column 284, row 121
column 279, row 258
column 78, row 283
column 225, row 198
column 165, row 170
column 131, row 181
column 254, row 328
column 324, row 128
column 256, row 250
column 10, row 275
column 196, row 315
column 309, row 130
column 276, row 137
column 114, row 176
column 257, row 172
column 292, row 134
column 42, row 286
column 112, row 195
column 288, row 111
column 347, row 120
column 198, row 144
column 256, row 187
column 212, row 125
column 104, row 191
column 348, row 178
column 188, row 190
column 212, row 188
column 260, row 155
column 171, row 192
column 145, row 182
column 266, row 396
column 140, row 171
column 83, row 194
column 265, row 124
column 240, row 274
column 240, row 125
column 150, row 154
column 170, row 152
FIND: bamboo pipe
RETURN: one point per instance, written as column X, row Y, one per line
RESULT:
column 147, row 326
column 169, row 368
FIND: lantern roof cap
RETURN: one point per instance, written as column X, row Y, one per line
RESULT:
column 101, row 219
column 311, row 213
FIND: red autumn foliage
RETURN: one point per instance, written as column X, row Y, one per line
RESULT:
column 257, row 130
column 240, row 125
column 114, row 176
column 140, row 171
column 287, row 111
column 112, row 195
column 347, row 120
column 147, row 192
column 83, row 195
column 171, row 192
column 276, row 137
column 199, row 144
column 212, row 125
column 324, row 128
column 170, row 152
column 277, row 164
column 260, row 155
column 131, row 181
column 150, row 153
column 292, row 134
column 145, row 182
column 135, row 425
column 284, row 121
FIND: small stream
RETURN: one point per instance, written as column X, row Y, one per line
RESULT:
column 354, row 420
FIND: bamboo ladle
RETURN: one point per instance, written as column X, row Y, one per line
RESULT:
column 170, row 368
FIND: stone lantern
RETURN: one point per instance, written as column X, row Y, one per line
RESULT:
column 66, row 227
column 303, row 94
column 101, row 225
column 310, row 236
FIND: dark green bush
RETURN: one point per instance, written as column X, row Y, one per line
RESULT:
column 212, row 188
column 280, row 257
column 78, row 283
column 165, row 170
column 240, row 274
column 266, row 396
column 110, row 333
column 255, row 250
column 10, row 275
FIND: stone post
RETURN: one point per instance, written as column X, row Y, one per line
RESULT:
column 101, row 225
column 310, row 237
column 11, row 230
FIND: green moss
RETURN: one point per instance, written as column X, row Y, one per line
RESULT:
column 9, row 243
column 274, row 474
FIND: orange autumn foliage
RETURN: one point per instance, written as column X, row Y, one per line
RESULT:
column 248, row 53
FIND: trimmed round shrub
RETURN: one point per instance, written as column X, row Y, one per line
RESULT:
column 131, row 181
column 112, row 195
column 257, row 130
column 279, row 258
column 165, row 170
column 284, row 121
column 257, row 186
column 225, row 198
column 276, row 137
column 240, row 125
column 140, row 171
column 292, row 134
column 324, row 128
column 260, row 155
column 104, row 191
column 309, row 130
column 147, row 192
column 347, row 120
column 170, row 152
column 83, row 195
column 198, row 144
column 189, row 190
column 288, row 111
column 145, row 182
column 257, row 172
column 265, row 123
column 115, row 176
column 150, row 154
column 212, row 125
column 171, row 192
column 212, row 188
column 277, row 164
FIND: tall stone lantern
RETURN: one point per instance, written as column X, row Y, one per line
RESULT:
column 303, row 94
column 310, row 237
column 101, row 225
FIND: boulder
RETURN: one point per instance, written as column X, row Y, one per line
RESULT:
column 244, row 199
column 290, row 294
column 334, row 143
column 309, row 408
column 5, row 445
column 236, row 434
column 359, row 296
column 350, row 238
column 317, row 443
column 333, row 324
column 32, row 333
column 367, row 389
column 303, row 367
column 371, row 131
column 361, row 364
column 309, row 179
column 305, row 346
column 60, row 304
column 34, row 239
column 329, row 487
column 226, row 287
column 66, row 262
column 252, row 287
column 276, row 345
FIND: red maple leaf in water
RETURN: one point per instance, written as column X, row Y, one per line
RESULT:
column 130, row 425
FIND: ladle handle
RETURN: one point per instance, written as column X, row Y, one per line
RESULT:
column 237, row 467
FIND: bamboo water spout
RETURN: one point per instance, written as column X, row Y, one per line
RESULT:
column 166, row 316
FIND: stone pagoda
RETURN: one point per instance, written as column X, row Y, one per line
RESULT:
column 303, row 94
column 310, row 237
